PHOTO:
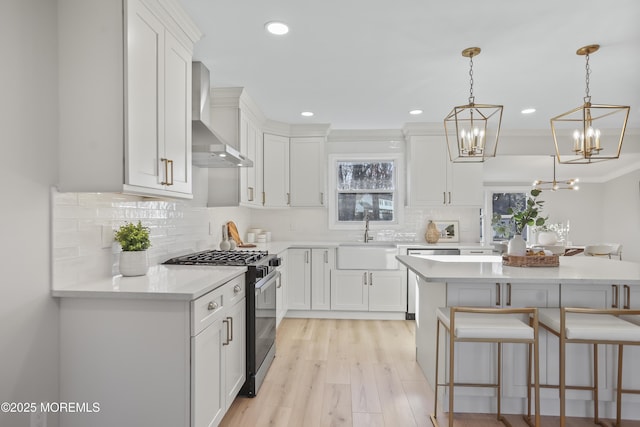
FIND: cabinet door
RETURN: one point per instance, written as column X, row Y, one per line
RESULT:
column 299, row 279
column 235, row 357
column 473, row 294
column 145, row 98
column 350, row 290
column 207, row 375
column 275, row 170
column 177, row 117
column 321, row 266
column 427, row 171
column 464, row 184
column 307, row 166
column 387, row 291
column 515, row 355
column 251, row 146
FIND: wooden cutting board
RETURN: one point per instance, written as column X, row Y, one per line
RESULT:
column 233, row 234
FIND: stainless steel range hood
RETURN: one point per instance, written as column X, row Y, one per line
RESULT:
column 209, row 150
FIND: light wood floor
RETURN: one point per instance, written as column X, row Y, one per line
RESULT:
column 354, row 373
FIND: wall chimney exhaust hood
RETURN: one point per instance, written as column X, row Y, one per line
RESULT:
column 209, row 150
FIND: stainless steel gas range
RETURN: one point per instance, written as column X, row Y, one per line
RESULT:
column 261, row 278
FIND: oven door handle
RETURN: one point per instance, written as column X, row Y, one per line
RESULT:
column 267, row 282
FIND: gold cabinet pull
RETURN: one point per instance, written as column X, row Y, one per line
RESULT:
column 497, row 294
column 226, row 322
column 364, row 278
column 288, row 198
column 616, row 296
column 627, row 297
column 171, row 162
column 250, row 193
column 449, row 197
column 444, row 198
column 370, row 279
column 321, row 199
column 508, row 294
column 166, row 171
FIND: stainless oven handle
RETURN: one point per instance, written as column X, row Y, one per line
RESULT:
column 266, row 282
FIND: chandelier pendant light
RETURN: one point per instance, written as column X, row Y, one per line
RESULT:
column 472, row 130
column 569, row 184
column 590, row 132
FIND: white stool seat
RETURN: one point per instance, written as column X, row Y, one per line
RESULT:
column 635, row 319
column 486, row 326
column 593, row 327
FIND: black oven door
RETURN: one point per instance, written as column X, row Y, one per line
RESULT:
column 265, row 317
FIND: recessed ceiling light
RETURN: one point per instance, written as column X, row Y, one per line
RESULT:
column 528, row 111
column 277, row 28
column 415, row 112
column 306, row 113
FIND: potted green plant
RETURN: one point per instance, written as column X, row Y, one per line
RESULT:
column 134, row 240
column 527, row 215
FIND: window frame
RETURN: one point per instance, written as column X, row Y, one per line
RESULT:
column 487, row 228
column 398, row 193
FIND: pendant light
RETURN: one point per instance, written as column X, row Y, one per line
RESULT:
column 472, row 130
column 590, row 132
column 569, row 184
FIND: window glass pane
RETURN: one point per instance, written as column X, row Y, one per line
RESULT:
column 352, row 206
column 501, row 222
column 365, row 176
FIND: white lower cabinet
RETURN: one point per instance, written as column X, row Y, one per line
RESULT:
column 476, row 362
column 361, row 290
column 309, row 278
column 153, row 362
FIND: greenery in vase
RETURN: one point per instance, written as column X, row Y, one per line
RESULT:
column 529, row 214
column 133, row 237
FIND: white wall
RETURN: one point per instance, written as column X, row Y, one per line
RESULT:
column 28, row 143
column 621, row 205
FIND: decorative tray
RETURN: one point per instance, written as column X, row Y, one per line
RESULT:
column 531, row 260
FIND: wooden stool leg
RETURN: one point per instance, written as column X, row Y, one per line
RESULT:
column 596, row 416
column 499, row 389
column 562, row 377
column 619, row 391
column 451, row 373
column 435, row 387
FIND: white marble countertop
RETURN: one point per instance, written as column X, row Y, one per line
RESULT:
column 578, row 270
column 168, row 282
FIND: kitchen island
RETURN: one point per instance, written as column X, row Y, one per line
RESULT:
column 484, row 281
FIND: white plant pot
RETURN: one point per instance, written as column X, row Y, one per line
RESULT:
column 517, row 246
column 134, row 263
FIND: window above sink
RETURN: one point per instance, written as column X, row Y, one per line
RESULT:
column 365, row 186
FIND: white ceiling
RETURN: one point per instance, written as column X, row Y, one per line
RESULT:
column 363, row 64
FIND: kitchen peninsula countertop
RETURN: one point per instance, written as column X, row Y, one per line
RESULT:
column 167, row 282
column 576, row 270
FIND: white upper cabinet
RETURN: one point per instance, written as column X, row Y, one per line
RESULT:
column 125, row 97
column 307, row 169
column 251, row 146
column 435, row 181
column 275, row 171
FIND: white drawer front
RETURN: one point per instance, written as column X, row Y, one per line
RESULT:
column 234, row 290
column 206, row 309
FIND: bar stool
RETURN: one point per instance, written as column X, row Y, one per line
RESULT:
column 494, row 325
column 589, row 326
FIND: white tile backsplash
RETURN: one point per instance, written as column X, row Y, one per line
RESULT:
column 176, row 227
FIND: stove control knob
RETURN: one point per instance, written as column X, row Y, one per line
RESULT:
column 275, row 262
column 236, row 289
column 212, row 305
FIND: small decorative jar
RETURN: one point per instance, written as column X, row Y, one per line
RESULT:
column 432, row 235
